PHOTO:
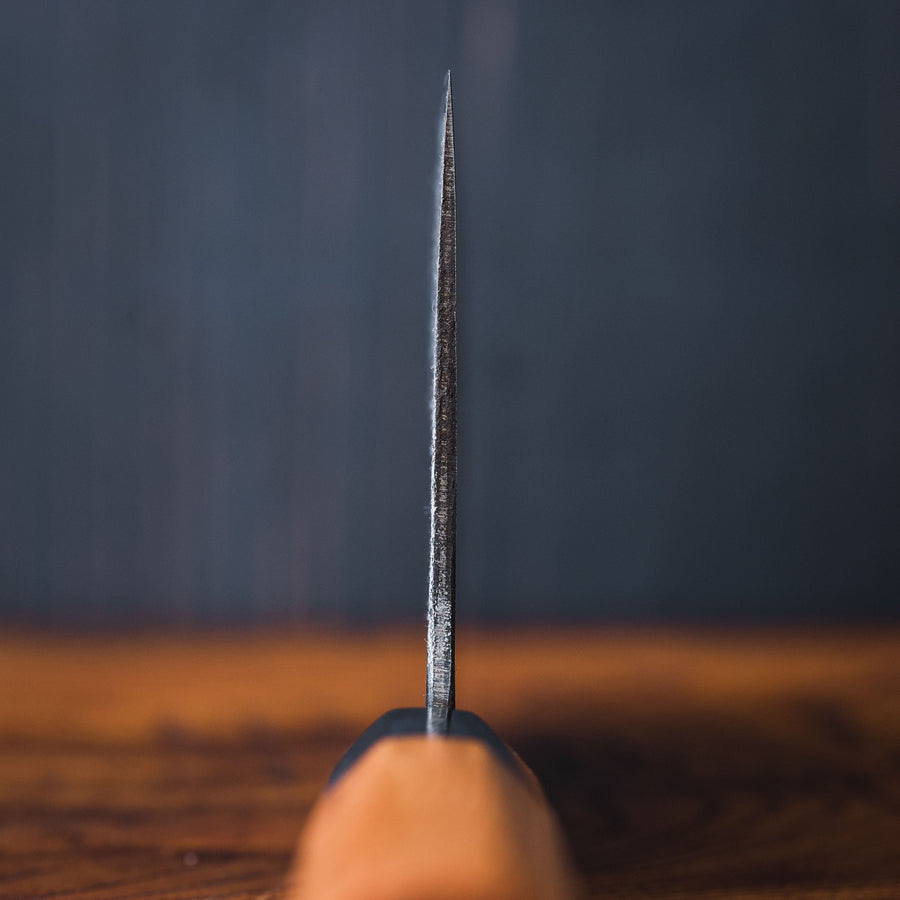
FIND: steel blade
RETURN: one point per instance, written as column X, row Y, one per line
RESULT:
column 440, row 678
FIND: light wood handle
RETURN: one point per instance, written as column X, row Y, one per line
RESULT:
column 432, row 818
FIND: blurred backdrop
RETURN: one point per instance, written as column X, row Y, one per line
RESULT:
column 679, row 320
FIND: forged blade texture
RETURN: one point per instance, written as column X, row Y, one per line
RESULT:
column 440, row 677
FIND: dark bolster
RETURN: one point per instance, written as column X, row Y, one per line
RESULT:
column 411, row 720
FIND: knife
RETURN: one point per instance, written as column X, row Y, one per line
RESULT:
column 429, row 803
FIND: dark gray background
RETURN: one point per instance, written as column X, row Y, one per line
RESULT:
column 680, row 315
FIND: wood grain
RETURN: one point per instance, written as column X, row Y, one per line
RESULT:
column 683, row 764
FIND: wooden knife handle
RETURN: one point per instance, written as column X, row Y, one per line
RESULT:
column 420, row 817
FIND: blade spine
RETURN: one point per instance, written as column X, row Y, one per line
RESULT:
column 440, row 675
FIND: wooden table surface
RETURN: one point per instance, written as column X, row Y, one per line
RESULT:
column 683, row 764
